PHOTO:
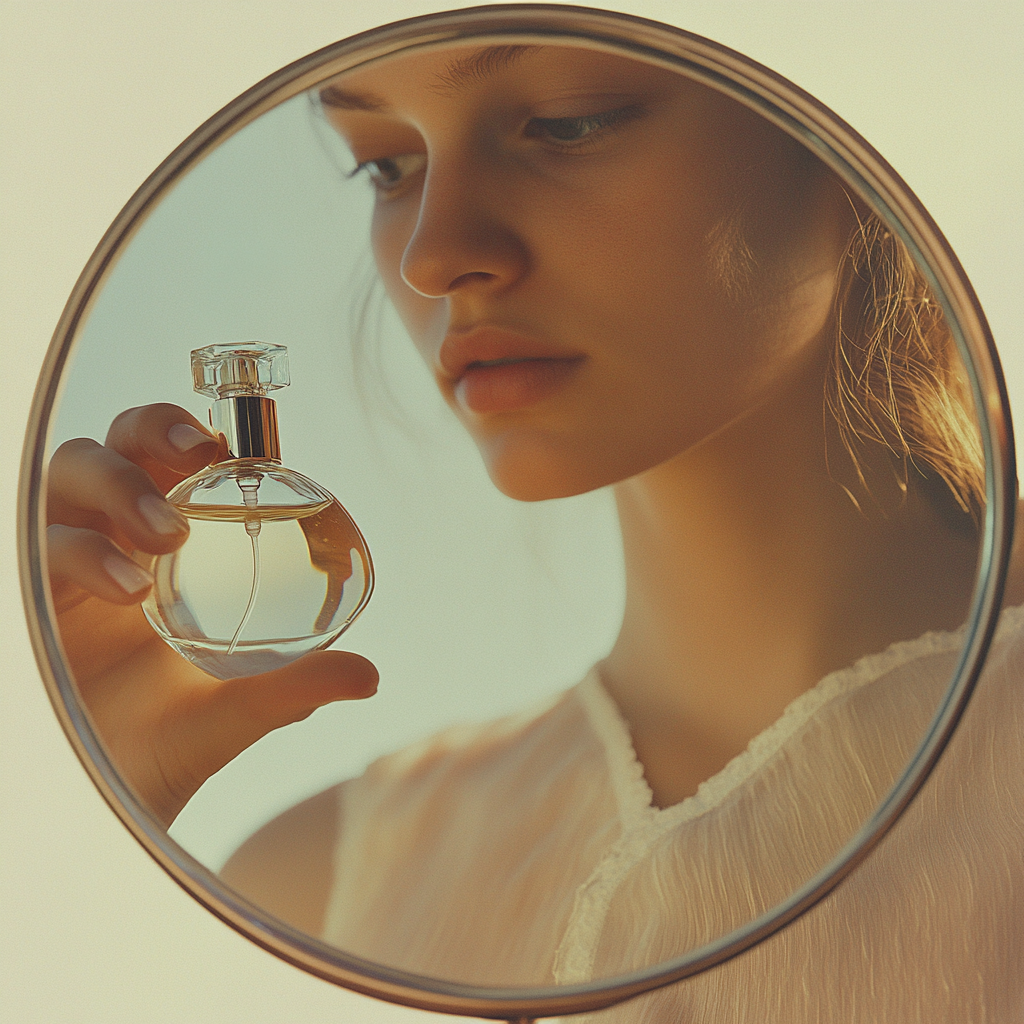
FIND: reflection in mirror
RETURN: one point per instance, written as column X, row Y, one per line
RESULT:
column 730, row 460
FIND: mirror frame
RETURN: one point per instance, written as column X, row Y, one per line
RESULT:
column 786, row 106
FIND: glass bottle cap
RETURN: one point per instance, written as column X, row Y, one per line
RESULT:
column 239, row 368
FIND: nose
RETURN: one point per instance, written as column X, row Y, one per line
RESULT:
column 464, row 238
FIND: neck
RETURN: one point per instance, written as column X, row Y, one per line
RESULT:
column 751, row 574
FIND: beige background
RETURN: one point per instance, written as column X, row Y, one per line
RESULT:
column 94, row 95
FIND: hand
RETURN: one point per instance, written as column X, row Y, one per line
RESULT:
column 166, row 724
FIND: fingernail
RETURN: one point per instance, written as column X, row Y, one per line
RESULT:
column 185, row 437
column 131, row 578
column 160, row 515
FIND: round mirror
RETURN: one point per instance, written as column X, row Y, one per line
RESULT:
column 678, row 440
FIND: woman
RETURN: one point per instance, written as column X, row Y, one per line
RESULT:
column 622, row 278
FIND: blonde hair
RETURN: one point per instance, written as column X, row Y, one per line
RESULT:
column 897, row 379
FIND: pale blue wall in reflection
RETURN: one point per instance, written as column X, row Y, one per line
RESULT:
column 483, row 605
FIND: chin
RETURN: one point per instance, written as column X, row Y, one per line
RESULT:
column 540, row 471
column 526, row 483
column 532, row 472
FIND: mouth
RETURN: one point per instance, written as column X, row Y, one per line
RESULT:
column 495, row 370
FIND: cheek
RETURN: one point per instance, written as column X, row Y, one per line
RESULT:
column 692, row 328
column 657, row 296
column 650, row 230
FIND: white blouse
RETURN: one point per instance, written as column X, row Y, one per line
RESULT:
column 527, row 852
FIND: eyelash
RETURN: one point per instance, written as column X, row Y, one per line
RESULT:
column 544, row 128
column 386, row 165
column 547, row 127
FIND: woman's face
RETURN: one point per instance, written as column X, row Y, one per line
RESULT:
column 602, row 262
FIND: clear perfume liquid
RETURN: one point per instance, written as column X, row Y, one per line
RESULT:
column 312, row 576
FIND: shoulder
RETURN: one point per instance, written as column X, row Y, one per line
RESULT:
column 497, row 760
column 286, row 867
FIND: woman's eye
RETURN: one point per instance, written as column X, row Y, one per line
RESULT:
column 387, row 173
column 569, row 130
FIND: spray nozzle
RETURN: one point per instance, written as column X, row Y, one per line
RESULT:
column 238, row 376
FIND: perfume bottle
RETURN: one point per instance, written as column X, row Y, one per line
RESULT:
column 273, row 567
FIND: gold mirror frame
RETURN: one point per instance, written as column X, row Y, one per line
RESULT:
column 783, row 104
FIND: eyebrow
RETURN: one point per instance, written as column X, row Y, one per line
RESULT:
column 457, row 75
column 479, row 65
column 340, row 99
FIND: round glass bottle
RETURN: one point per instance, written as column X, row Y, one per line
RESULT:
column 274, row 567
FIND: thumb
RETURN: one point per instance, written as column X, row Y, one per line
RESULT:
column 237, row 712
column 258, row 704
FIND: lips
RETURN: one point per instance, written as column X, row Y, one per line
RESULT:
column 498, row 370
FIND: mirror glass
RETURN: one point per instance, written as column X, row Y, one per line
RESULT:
column 669, row 465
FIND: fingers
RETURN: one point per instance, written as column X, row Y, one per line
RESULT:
column 120, row 486
column 96, row 488
column 164, row 440
column 87, row 562
column 117, row 490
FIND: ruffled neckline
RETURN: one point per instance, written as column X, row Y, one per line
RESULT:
column 643, row 824
column 633, row 795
